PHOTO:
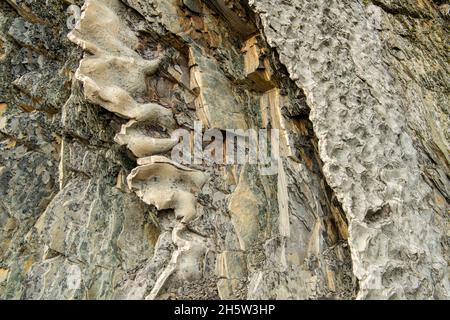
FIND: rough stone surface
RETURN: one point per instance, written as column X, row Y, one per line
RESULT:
column 376, row 77
column 92, row 208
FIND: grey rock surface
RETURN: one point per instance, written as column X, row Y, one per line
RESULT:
column 359, row 207
column 376, row 78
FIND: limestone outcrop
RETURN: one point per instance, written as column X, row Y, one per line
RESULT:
column 94, row 206
column 370, row 92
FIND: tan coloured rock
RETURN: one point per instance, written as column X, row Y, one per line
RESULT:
column 186, row 262
column 140, row 144
column 231, row 265
column 115, row 72
column 369, row 174
column 216, row 104
column 167, row 185
column 111, row 77
column 244, row 210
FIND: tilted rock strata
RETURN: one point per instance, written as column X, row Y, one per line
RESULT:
column 71, row 226
column 167, row 185
column 115, row 72
column 110, row 77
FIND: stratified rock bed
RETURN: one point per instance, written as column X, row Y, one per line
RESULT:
column 92, row 207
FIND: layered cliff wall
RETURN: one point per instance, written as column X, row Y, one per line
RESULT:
column 93, row 207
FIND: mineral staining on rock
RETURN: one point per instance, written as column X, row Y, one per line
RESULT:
column 110, row 77
column 93, row 208
column 216, row 108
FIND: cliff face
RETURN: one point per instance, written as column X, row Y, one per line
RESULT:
column 376, row 78
column 93, row 206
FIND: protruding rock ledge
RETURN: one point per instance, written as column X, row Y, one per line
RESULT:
column 167, row 185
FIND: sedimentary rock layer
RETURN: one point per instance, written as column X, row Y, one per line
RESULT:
column 93, row 207
column 380, row 112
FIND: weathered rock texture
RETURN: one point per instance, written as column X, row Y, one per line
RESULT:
column 91, row 207
column 376, row 78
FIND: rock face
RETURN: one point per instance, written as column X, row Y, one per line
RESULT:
column 92, row 206
column 376, row 78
